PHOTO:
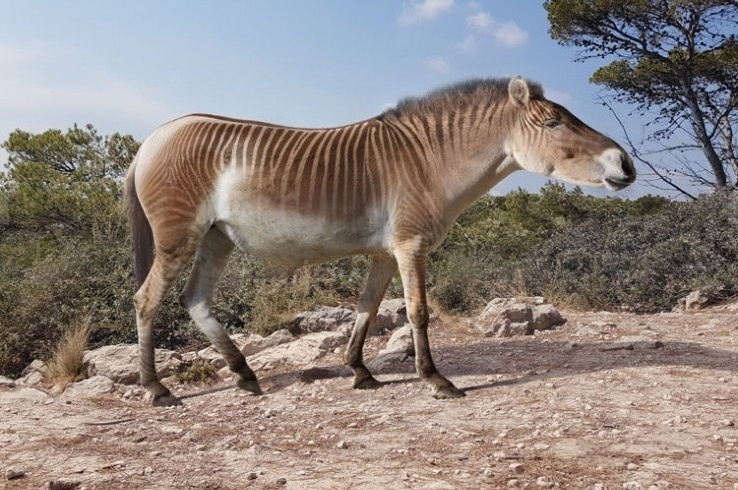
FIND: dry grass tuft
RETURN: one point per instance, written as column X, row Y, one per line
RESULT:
column 66, row 365
column 277, row 302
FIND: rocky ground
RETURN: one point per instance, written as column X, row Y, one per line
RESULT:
column 606, row 401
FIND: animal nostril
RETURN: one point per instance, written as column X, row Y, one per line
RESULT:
column 627, row 166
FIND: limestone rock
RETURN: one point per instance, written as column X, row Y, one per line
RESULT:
column 120, row 363
column 401, row 341
column 301, row 351
column 507, row 317
column 399, row 347
column 392, row 314
column 90, row 387
column 389, row 361
column 324, row 318
column 696, row 300
column 33, row 374
column 251, row 344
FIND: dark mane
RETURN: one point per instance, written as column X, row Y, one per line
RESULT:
column 457, row 96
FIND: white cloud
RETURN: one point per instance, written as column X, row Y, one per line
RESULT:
column 438, row 65
column 418, row 11
column 468, row 44
column 480, row 21
column 509, row 35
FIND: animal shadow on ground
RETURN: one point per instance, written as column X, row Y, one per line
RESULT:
column 532, row 361
column 550, row 360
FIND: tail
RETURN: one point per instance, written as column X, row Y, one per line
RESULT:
column 142, row 239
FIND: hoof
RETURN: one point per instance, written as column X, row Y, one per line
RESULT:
column 447, row 392
column 250, row 385
column 166, row 400
column 367, row 384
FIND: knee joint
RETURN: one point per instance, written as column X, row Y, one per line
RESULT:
column 419, row 317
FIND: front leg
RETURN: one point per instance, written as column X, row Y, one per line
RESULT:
column 412, row 270
column 380, row 275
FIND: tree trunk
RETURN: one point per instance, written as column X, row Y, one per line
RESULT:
column 698, row 123
column 730, row 150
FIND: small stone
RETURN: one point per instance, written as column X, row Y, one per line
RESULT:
column 147, row 471
column 488, row 472
column 63, row 484
column 342, row 445
column 11, row 474
column 632, row 485
column 544, row 481
column 728, row 422
column 281, row 481
column 632, row 466
column 517, row 468
column 513, row 483
column 252, row 476
column 617, row 346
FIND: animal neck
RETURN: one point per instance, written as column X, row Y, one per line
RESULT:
column 467, row 149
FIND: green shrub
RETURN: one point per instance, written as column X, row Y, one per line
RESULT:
column 642, row 263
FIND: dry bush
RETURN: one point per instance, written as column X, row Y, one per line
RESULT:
column 278, row 301
column 200, row 371
column 66, row 365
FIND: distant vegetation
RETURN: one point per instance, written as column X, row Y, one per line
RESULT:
column 65, row 259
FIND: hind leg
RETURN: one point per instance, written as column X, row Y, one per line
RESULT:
column 148, row 300
column 380, row 276
column 210, row 261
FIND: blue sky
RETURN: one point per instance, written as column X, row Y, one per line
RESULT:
column 129, row 66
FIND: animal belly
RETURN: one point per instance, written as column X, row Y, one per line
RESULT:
column 295, row 239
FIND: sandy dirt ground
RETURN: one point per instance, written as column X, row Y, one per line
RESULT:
column 607, row 401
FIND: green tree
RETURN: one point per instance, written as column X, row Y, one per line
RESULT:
column 63, row 240
column 675, row 59
column 71, row 178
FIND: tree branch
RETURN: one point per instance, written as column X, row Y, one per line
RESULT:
column 637, row 155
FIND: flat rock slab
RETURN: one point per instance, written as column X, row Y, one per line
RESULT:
column 120, row 363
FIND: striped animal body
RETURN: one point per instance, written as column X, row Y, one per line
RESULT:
column 389, row 187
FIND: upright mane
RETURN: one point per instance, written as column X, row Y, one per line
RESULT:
column 457, row 96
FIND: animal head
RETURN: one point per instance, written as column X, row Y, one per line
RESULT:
column 549, row 140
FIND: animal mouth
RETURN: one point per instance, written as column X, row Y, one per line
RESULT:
column 618, row 184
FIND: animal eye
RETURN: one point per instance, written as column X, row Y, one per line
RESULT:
column 552, row 124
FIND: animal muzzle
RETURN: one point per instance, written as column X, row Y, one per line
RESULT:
column 619, row 170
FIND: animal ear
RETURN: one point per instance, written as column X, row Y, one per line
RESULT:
column 518, row 91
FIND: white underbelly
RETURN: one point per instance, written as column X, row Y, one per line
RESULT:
column 294, row 239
